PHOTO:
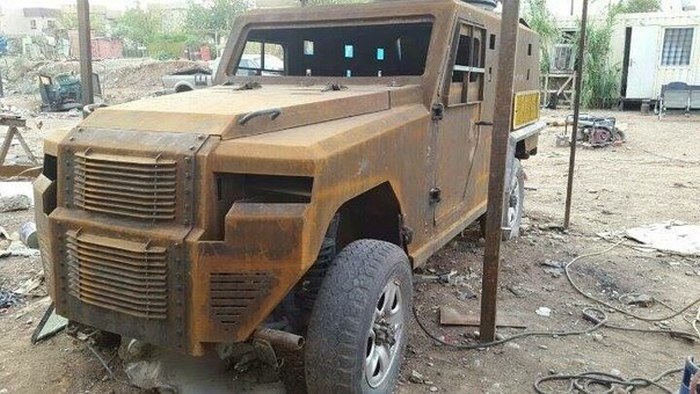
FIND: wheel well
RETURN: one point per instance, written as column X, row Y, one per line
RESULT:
column 182, row 88
column 374, row 214
column 522, row 153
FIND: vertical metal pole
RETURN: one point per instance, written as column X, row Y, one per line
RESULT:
column 499, row 149
column 577, row 111
column 85, row 52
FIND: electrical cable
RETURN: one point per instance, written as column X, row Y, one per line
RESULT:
column 582, row 382
column 589, row 313
column 611, row 306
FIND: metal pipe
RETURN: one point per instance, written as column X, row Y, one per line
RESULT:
column 85, row 52
column 283, row 339
column 577, row 112
column 499, row 150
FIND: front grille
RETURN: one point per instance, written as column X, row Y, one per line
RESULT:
column 123, row 276
column 232, row 296
column 134, row 187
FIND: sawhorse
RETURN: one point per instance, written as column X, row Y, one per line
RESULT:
column 13, row 123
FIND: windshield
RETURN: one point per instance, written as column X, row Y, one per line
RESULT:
column 398, row 49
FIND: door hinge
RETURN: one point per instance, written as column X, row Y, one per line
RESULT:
column 438, row 111
column 435, row 195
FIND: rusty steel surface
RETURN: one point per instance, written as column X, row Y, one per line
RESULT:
column 83, row 12
column 171, row 220
column 580, row 57
column 497, row 173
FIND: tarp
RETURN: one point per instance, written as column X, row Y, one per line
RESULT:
column 672, row 236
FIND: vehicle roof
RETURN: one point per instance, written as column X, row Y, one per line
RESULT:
column 386, row 8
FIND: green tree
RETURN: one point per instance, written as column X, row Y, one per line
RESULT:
column 69, row 21
column 543, row 23
column 636, row 6
column 213, row 17
column 138, row 26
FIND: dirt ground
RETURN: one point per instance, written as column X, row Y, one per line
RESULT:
column 653, row 177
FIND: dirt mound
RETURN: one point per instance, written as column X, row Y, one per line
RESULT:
column 147, row 75
column 21, row 75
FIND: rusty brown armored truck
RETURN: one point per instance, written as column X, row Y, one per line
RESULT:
column 296, row 197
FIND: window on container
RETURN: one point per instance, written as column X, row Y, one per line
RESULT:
column 32, row 24
column 678, row 43
column 468, row 70
column 390, row 49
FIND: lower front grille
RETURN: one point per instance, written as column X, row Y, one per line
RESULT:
column 232, row 296
column 123, row 276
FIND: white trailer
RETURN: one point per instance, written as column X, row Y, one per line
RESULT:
column 655, row 49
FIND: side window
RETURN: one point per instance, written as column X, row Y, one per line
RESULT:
column 262, row 58
column 468, row 70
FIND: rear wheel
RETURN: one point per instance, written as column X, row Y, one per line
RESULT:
column 513, row 214
column 359, row 325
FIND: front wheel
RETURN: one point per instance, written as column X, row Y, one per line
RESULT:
column 359, row 325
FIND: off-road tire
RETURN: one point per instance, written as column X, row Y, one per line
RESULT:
column 344, row 314
column 516, row 193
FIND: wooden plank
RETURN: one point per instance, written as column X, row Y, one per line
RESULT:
column 6, row 143
column 451, row 317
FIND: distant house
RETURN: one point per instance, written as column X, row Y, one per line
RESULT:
column 35, row 21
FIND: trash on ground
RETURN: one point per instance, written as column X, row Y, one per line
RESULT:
column 466, row 294
column 13, row 188
column 9, row 298
column 18, row 202
column 31, row 286
column 554, row 268
column 50, row 325
column 451, row 317
column 544, row 311
column 672, row 236
column 416, row 377
column 18, row 249
column 641, row 300
column 28, row 235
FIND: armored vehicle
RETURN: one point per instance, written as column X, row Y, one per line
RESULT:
column 296, row 200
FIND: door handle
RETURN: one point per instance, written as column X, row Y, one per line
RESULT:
column 483, row 123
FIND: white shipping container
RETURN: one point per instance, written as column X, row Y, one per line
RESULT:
column 654, row 49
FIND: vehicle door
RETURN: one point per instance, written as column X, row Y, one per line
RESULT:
column 457, row 133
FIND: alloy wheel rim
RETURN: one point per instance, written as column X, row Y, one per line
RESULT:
column 513, row 205
column 385, row 334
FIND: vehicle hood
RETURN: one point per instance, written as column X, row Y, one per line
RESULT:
column 219, row 110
